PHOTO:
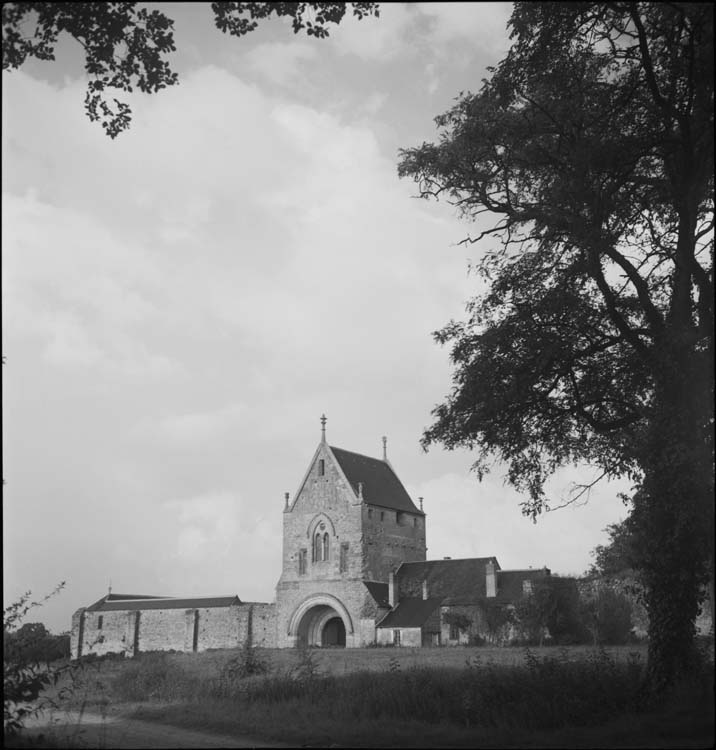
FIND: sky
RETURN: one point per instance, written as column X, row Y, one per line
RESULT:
column 180, row 306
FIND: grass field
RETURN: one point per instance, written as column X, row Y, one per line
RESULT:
column 443, row 697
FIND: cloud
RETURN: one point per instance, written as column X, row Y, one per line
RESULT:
column 194, row 426
column 376, row 39
column 281, row 62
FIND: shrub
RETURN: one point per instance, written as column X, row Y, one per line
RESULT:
column 27, row 652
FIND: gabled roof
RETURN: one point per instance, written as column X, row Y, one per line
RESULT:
column 410, row 613
column 454, row 581
column 132, row 602
column 381, row 485
column 379, row 592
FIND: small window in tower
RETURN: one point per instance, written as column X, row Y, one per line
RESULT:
column 415, row 522
column 321, row 467
column 370, row 512
column 382, row 515
column 100, row 622
column 343, row 564
column 302, row 561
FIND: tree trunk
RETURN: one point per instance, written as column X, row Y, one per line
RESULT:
column 673, row 513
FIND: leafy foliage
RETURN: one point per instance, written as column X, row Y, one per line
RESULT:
column 552, row 607
column 24, row 676
column 587, row 157
column 459, row 620
column 619, row 555
column 33, row 642
column 125, row 46
column 607, row 615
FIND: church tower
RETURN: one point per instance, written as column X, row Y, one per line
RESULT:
column 350, row 525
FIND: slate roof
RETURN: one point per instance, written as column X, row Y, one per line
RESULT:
column 381, row 485
column 132, row 602
column 379, row 592
column 410, row 613
column 454, row 581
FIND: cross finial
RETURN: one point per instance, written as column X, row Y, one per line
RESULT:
column 385, row 448
column 323, row 427
column 110, row 587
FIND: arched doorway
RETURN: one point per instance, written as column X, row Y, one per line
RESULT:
column 334, row 633
column 321, row 620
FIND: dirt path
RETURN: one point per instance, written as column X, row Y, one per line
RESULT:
column 95, row 731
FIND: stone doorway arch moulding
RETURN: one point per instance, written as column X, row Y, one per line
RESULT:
column 319, row 600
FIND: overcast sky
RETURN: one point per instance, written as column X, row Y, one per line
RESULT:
column 180, row 306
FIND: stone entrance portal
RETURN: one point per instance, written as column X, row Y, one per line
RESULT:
column 321, row 620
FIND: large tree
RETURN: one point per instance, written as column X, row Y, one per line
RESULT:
column 586, row 162
column 126, row 46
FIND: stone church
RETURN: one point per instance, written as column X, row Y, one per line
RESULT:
column 354, row 573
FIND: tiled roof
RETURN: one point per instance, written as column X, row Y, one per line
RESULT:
column 381, row 485
column 410, row 613
column 379, row 592
column 454, row 581
column 138, row 602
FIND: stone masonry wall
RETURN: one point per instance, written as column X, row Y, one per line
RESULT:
column 263, row 625
column 390, row 538
column 173, row 629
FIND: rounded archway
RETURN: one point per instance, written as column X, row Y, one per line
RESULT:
column 320, row 620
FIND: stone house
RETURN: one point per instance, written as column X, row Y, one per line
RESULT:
column 452, row 602
column 354, row 557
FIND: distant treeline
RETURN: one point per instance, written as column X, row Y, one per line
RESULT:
column 33, row 642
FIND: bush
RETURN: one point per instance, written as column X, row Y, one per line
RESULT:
column 28, row 651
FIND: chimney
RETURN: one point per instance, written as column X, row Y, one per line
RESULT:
column 425, row 588
column 285, row 497
column 490, row 579
column 392, row 591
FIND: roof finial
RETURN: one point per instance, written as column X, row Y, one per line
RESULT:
column 385, row 448
column 109, row 587
column 323, row 428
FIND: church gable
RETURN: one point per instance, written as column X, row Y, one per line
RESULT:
column 324, row 487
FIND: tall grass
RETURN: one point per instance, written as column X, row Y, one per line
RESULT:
column 542, row 693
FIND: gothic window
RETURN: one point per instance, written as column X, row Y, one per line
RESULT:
column 343, row 564
column 326, row 544
column 321, row 467
column 100, row 622
column 302, row 559
column 317, row 547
